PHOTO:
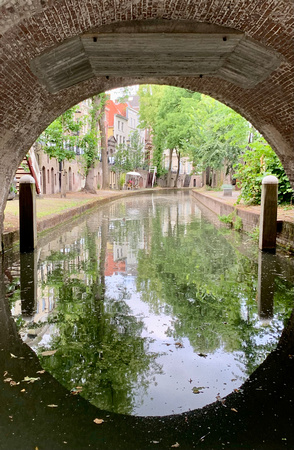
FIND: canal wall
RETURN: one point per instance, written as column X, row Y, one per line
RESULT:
column 250, row 219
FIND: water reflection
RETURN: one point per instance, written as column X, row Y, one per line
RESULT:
column 266, row 287
column 149, row 308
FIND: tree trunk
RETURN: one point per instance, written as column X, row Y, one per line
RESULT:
column 178, row 169
column 208, row 176
column 105, row 173
column 169, row 174
column 89, row 184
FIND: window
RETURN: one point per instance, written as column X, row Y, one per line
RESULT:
column 118, row 125
column 124, row 140
column 122, row 126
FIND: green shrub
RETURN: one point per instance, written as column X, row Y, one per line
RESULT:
column 259, row 161
column 233, row 220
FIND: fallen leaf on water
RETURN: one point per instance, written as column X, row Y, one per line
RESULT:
column 7, row 380
column 76, row 390
column 179, row 345
column 203, row 355
column 154, row 442
column 12, row 355
column 233, row 409
column 13, row 383
column 53, row 406
column 176, row 445
column 98, row 421
column 48, row 352
column 197, row 390
column 5, row 373
column 23, row 390
column 31, row 379
column 41, row 371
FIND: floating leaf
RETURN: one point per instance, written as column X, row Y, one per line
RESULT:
column 7, row 380
column 41, row 371
column 176, row 445
column 203, row 355
column 23, row 390
column 197, row 390
column 53, row 406
column 31, row 379
column 233, row 409
column 12, row 355
column 14, row 383
column 98, row 421
column 48, row 352
column 76, row 390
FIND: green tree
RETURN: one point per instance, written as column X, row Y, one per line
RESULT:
column 129, row 156
column 60, row 138
column 166, row 110
column 150, row 98
column 218, row 137
column 89, row 142
column 194, row 125
column 173, row 124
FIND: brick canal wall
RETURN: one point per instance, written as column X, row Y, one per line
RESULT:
column 250, row 219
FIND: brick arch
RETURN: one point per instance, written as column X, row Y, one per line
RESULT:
column 31, row 30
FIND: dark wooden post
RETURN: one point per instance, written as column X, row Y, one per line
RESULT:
column 268, row 213
column 27, row 214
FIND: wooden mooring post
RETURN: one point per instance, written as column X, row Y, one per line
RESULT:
column 27, row 214
column 268, row 213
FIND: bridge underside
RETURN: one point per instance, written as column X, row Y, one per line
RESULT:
column 157, row 49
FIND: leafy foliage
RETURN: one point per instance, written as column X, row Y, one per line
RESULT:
column 89, row 141
column 193, row 125
column 219, row 135
column 258, row 161
column 129, row 157
column 59, row 139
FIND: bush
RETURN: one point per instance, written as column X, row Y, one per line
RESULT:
column 259, row 161
column 233, row 220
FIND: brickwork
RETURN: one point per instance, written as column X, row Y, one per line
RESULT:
column 30, row 27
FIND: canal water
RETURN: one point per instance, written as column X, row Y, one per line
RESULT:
column 146, row 308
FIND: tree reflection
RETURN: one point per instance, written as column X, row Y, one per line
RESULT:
column 208, row 288
column 99, row 341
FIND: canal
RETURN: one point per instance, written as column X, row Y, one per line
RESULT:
column 149, row 316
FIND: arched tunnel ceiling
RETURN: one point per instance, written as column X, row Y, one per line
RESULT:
column 196, row 50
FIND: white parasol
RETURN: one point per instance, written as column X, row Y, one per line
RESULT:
column 134, row 174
